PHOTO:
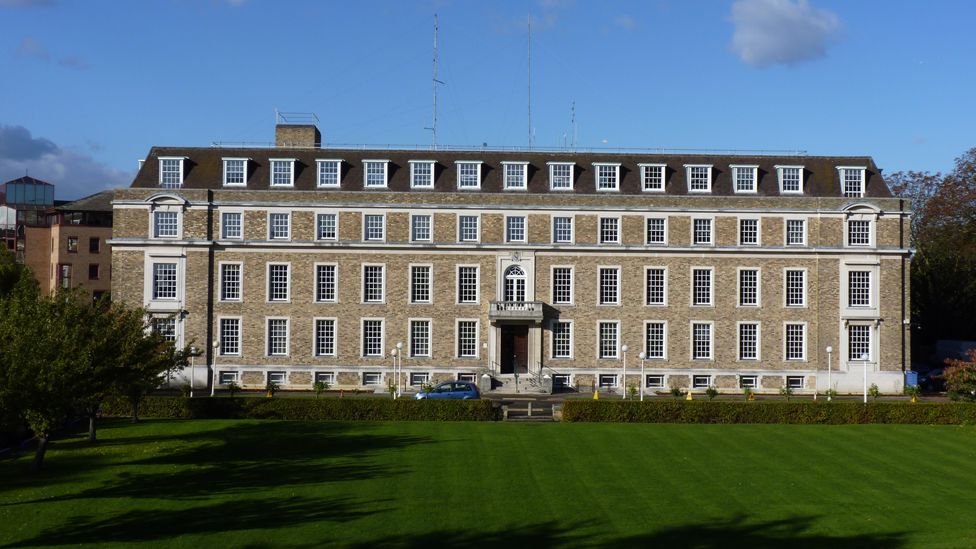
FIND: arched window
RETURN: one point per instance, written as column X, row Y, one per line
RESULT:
column 515, row 284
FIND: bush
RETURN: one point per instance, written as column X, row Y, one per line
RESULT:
column 874, row 391
column 711, row 393
column 806, row 412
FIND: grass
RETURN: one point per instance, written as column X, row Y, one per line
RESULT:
column 294, row 484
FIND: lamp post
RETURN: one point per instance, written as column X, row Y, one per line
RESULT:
column 213, row 380
column 194, row 352
column 829, row 386
column 642, row 356
column 624, row 349
column 399, row 347
column 396, row 391
column 864, row 360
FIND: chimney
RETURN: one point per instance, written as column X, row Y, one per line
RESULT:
column 297, row 135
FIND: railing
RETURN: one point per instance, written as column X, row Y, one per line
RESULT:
column 531, row 310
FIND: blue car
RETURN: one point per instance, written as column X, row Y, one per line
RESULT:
column 456, row 390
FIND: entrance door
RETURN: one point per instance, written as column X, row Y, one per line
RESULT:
column 515, row 349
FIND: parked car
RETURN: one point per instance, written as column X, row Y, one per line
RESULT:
column 455, row 390
column 933, row 380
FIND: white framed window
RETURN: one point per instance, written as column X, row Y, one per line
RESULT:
column 372, row 342
column 278, row 282
column 326, row 282
column 166, row 224
column 795, row 287
column 859, row 232
column 374, row 278
column 744, row 179
column 279, row 226
column 701, row 231
column 852, row 180
column 166, row 327
column 515, row 228
column 656, row 286
column 607, row 176
column 468, row 228
column 277, row 377
column 467, row 339
column 652, row 177
column 794, row 382
column 468, row 174
column 795, row 341
column 699, row 178
column 235, row 172
column 327, row 226
column 859, row 288
column 372, row 378
column 796, row 232
column 515, row 284
column 325, row 337
column 230, row 336
column 230, row 281
column 420, row 283
column 418, row 379
column 374, row 173
column 654, row 381
column 232, row 225
column 420, row 337
column 701, row 381
column 226, row 378
column 326, row 377
column 562, row 229
column 515, row 176
column 164, row 281
column 609, row 284
column 859, row 342
column 790, row 179
column 282, row 172
column 607, row 381
column 609, row 230
column 701, row 341
column 561, row 175
column 374, row 227
column 748, row 231
column 749, row 382
column 422, row 174
column 277, row 337
column 608, row 332
column 562, row 338
column 467, row 284
column 748, row 341
column 702, row 281
column 420, row 228
column 657, row 230
column 171, row 171
column 329, row 172
column 748, row 287
column 655, row 340
column 562, row 285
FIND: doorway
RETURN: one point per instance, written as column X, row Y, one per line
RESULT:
column 514, row 349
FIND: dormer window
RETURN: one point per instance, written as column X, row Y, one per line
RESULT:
column 282, row 172
column 235, row 172
column 852, row 180
column 699, row 178
column 171, row 171
column 516, row 175
column 329, row 172
column 607, row 176
column 421, row 174
column 468, row 174
column 652, row 177
column 790, row 179
column 744, row 178
column 374, row 173
column 561, row 176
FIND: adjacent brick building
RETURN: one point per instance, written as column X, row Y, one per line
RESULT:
column 298, row 263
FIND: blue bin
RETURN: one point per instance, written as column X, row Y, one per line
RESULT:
column 911, row 379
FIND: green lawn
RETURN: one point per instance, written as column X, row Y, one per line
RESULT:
column 256, row 484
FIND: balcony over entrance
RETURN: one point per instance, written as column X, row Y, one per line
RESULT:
column 515, row 310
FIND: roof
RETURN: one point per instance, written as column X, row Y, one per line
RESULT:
column 28, row 180
column 203, row 169
column 98, row 202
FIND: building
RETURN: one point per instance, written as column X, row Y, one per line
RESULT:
column 24, row 203
column 295, row 263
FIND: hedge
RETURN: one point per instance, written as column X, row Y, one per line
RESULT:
column 700, row 411
column 308, row 409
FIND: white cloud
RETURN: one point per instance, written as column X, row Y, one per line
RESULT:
column 781, row 32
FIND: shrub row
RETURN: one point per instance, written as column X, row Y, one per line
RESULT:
column 681, row 411
column 308, row 409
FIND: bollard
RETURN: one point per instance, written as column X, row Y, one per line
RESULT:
column 530, row 409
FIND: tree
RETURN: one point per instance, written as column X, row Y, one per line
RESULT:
column 960, row 376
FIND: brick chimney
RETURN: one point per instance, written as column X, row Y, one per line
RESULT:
column 297, row 135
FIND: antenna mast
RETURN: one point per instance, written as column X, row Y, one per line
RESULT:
column 434, row 83
column 573, row 117
column 529, row 55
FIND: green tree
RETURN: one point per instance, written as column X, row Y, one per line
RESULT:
column 960, row 376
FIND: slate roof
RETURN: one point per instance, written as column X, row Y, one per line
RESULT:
column 98, row 202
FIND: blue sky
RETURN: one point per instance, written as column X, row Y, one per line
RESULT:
column 86, row 88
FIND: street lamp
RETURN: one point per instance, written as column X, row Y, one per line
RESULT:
column 829, row 386
column 624, row 349
column 864, row 360
column 393, row 354
column 399, row 384
column 643, row 382
column 213, row 381
column 194, row 352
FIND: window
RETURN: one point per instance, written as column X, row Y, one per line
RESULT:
column 656, row 278
column 562, row 285
column 282, row 172
column 655, row 334
column 858, row 232
column 790, row 179
column 748, row 341
column 94, row 245
column 72, row 244
column 467, row 288
column 170, row 172
column 166, row 327
column 277, row 377
column 748, row 382
column 419, row 338
column 230, row 281
column 853, row 181
column 325, row 283
column 560, row 381
column 165, row 225
column 608, row 339
column 421, row 174
column 470, row 378
column 859, row 342
column 279, row 226
column 748, row 232
column 93, row 271
column 372, row 378
column 561, row 176
column 796, row 232
column 226, row 378
column 515, row 175
column 652, row 177
column 795, row 288
column 278, row 281
column 748, row 287
column 859, row 288
column 277, row 337
column 701, row 382
column 702, row 232
column 794, row 382
column 515, row 284
column 326, row 226
column 468, row 228
column 796, row 341
column 562, row 339
column 420, row 284
column 467, row 338
column 325, row 337
column 326, row 377
column 654, row 381
column 744, row 178
column 374, row 173
column 419, row 379
column 373, row 283
column 468, row 175
column 609, row 230
column 329, row 172
column 608, row 381
column 607, row 177
column 701, row 341
column 699, row 178
column 656, row 230
column 64, row 276
column 231, row 225
column 420, row 228
column 609, row 286
column 230, row 336
column 562, row 229
column 164, row 280
column 372, row 337
column 235, row 172
column 515, row 228
column 374, row 227
column 701, row 292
